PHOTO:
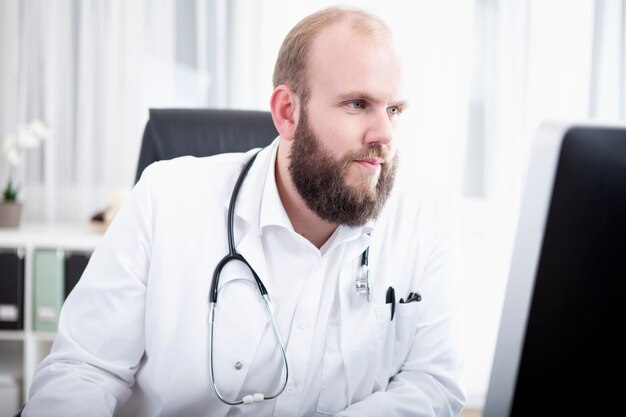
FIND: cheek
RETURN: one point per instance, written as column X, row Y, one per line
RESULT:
column 338, row 131
column 342, row 135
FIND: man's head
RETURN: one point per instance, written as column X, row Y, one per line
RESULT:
column 335, row 104
column 292, row 63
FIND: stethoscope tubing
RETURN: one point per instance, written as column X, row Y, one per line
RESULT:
column 279, row 341
column 232, row 251
column 233, row 255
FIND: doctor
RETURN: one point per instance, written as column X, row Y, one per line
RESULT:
column 134, row 338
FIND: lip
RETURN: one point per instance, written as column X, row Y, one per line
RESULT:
column 371, row 165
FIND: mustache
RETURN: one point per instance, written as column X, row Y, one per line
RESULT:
column 374, row 151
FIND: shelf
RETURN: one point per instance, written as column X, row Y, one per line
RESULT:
column 11, row 335
column 21, row 351
column 58, row 236
column 44, row 336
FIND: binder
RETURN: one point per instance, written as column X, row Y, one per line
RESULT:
column 48, row 291
column 12, row 289
column 75, row 264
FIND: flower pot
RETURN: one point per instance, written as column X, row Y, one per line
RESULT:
column 10, row 214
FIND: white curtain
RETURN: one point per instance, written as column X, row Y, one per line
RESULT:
column 91, row 69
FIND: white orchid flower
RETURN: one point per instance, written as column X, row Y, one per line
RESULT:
column 12, row 157
column 30, row 135
column 40, row 129
column 25, row 138
column 9, row 151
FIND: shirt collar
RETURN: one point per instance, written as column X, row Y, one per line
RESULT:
column 251, row 192
column 272, row 210
column 347, row 234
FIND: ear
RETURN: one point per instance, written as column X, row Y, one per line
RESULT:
column 285, row 106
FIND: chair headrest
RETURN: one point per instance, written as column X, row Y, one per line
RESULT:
column 170, row 133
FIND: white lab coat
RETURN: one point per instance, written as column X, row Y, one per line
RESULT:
column 132, row 336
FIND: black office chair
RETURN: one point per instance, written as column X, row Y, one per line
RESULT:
column 170, row 133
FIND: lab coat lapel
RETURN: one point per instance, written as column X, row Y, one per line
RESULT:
column 251, row 248
column 351, row 307
column 358, row 322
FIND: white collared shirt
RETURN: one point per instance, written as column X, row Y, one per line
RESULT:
column 302, row 283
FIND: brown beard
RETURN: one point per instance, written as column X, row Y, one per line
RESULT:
column 321, row 179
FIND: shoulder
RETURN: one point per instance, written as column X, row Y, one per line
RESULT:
column 190, row 167
column 416, row 199
column 418, row 211
column 188, row 174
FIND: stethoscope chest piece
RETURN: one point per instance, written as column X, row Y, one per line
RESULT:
column 363, row 286
column 363, row 282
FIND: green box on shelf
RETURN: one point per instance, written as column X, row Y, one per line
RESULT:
column 48, row 286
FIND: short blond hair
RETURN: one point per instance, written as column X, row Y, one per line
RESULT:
column 291, row 64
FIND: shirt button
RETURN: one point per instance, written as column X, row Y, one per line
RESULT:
column 291, row 386
column 302, row 325
column 238, row 365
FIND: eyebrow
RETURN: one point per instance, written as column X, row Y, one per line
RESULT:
column 357, row 95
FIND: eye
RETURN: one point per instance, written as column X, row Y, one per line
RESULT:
column 394, row 111
column 356, row 104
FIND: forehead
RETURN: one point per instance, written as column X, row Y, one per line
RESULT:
column 343, row 60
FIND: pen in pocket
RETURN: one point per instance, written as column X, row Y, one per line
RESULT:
column 413, row 297
column 391, row 299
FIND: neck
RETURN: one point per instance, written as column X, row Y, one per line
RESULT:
column 304, row 220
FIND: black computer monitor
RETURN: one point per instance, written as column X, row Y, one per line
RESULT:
column 560, row 348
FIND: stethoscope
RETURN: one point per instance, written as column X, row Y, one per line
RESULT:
column 362, row 287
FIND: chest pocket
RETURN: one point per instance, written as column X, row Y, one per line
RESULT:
column 355, row 368
column 396, row 336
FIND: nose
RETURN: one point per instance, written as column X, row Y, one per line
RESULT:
column 380, row 129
